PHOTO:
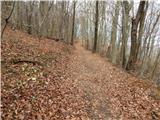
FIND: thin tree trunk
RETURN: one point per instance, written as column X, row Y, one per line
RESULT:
column 44, row 18
column 155, row 65
column 141, row 29
column 146, row 49
column 96, row 29
column 7, row 19
column 112, row 51
column 30, row 17
column 125, row 30
column 61, row 28
column 73, row 22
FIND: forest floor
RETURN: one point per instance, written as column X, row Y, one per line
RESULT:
column 48, row 80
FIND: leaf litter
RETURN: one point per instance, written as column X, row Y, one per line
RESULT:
column 60, row 82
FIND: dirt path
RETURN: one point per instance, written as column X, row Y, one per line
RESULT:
column 86, row 68
column 109, row 92
column 71, row 84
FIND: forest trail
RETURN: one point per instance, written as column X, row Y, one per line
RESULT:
column 88, row 73
column 109, row 92
column 61, row 82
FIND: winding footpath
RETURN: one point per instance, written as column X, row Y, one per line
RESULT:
column 109, row 92
column 72, row 84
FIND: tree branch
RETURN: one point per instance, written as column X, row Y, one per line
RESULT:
column 6, row 20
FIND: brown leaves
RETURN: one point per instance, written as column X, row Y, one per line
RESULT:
column 32, row 91
column 107, row 89
column 69, row 85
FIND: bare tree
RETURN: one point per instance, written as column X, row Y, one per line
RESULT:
column 96, row 29
column 73, row 22
column 155, row 65
column 103, row 26
column 135, row 22
column 112, row 50
column 146, row 49
column 7, row 19
column 125, row 30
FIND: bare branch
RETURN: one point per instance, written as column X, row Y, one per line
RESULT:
column 6, row 20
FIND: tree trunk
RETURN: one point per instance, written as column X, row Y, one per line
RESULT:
column 96, row 29
column 155, row 65
column 112, row 51
column 146, row 48
column 135, row 22
column 7, row 20
column 61, row 25
column 73, row 22
column 141, row 29
column 30, row 10
column 125, row 31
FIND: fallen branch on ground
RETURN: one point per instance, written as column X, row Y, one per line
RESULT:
column 56, row 39
column 17, row 61
column 27, row 61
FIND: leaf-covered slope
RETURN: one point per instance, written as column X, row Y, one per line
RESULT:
column 45, row 79
column 35, row 84
column 111, row 93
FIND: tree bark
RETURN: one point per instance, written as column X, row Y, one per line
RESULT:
column 73, row 22
column 112, row 50
column 155, row 65
column 146, row 48
column 96, row 28
column 7, row 19
column 141, row 29
column 135, row 22
column 125, row 31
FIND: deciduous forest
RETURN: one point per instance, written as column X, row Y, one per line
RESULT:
column 80, row 60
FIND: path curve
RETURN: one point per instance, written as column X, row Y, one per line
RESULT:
column 109, row 92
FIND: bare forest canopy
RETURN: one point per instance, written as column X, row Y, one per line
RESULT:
column 127, row 32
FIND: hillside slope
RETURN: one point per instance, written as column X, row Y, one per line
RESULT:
column 49, row 80
column 35, row 83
